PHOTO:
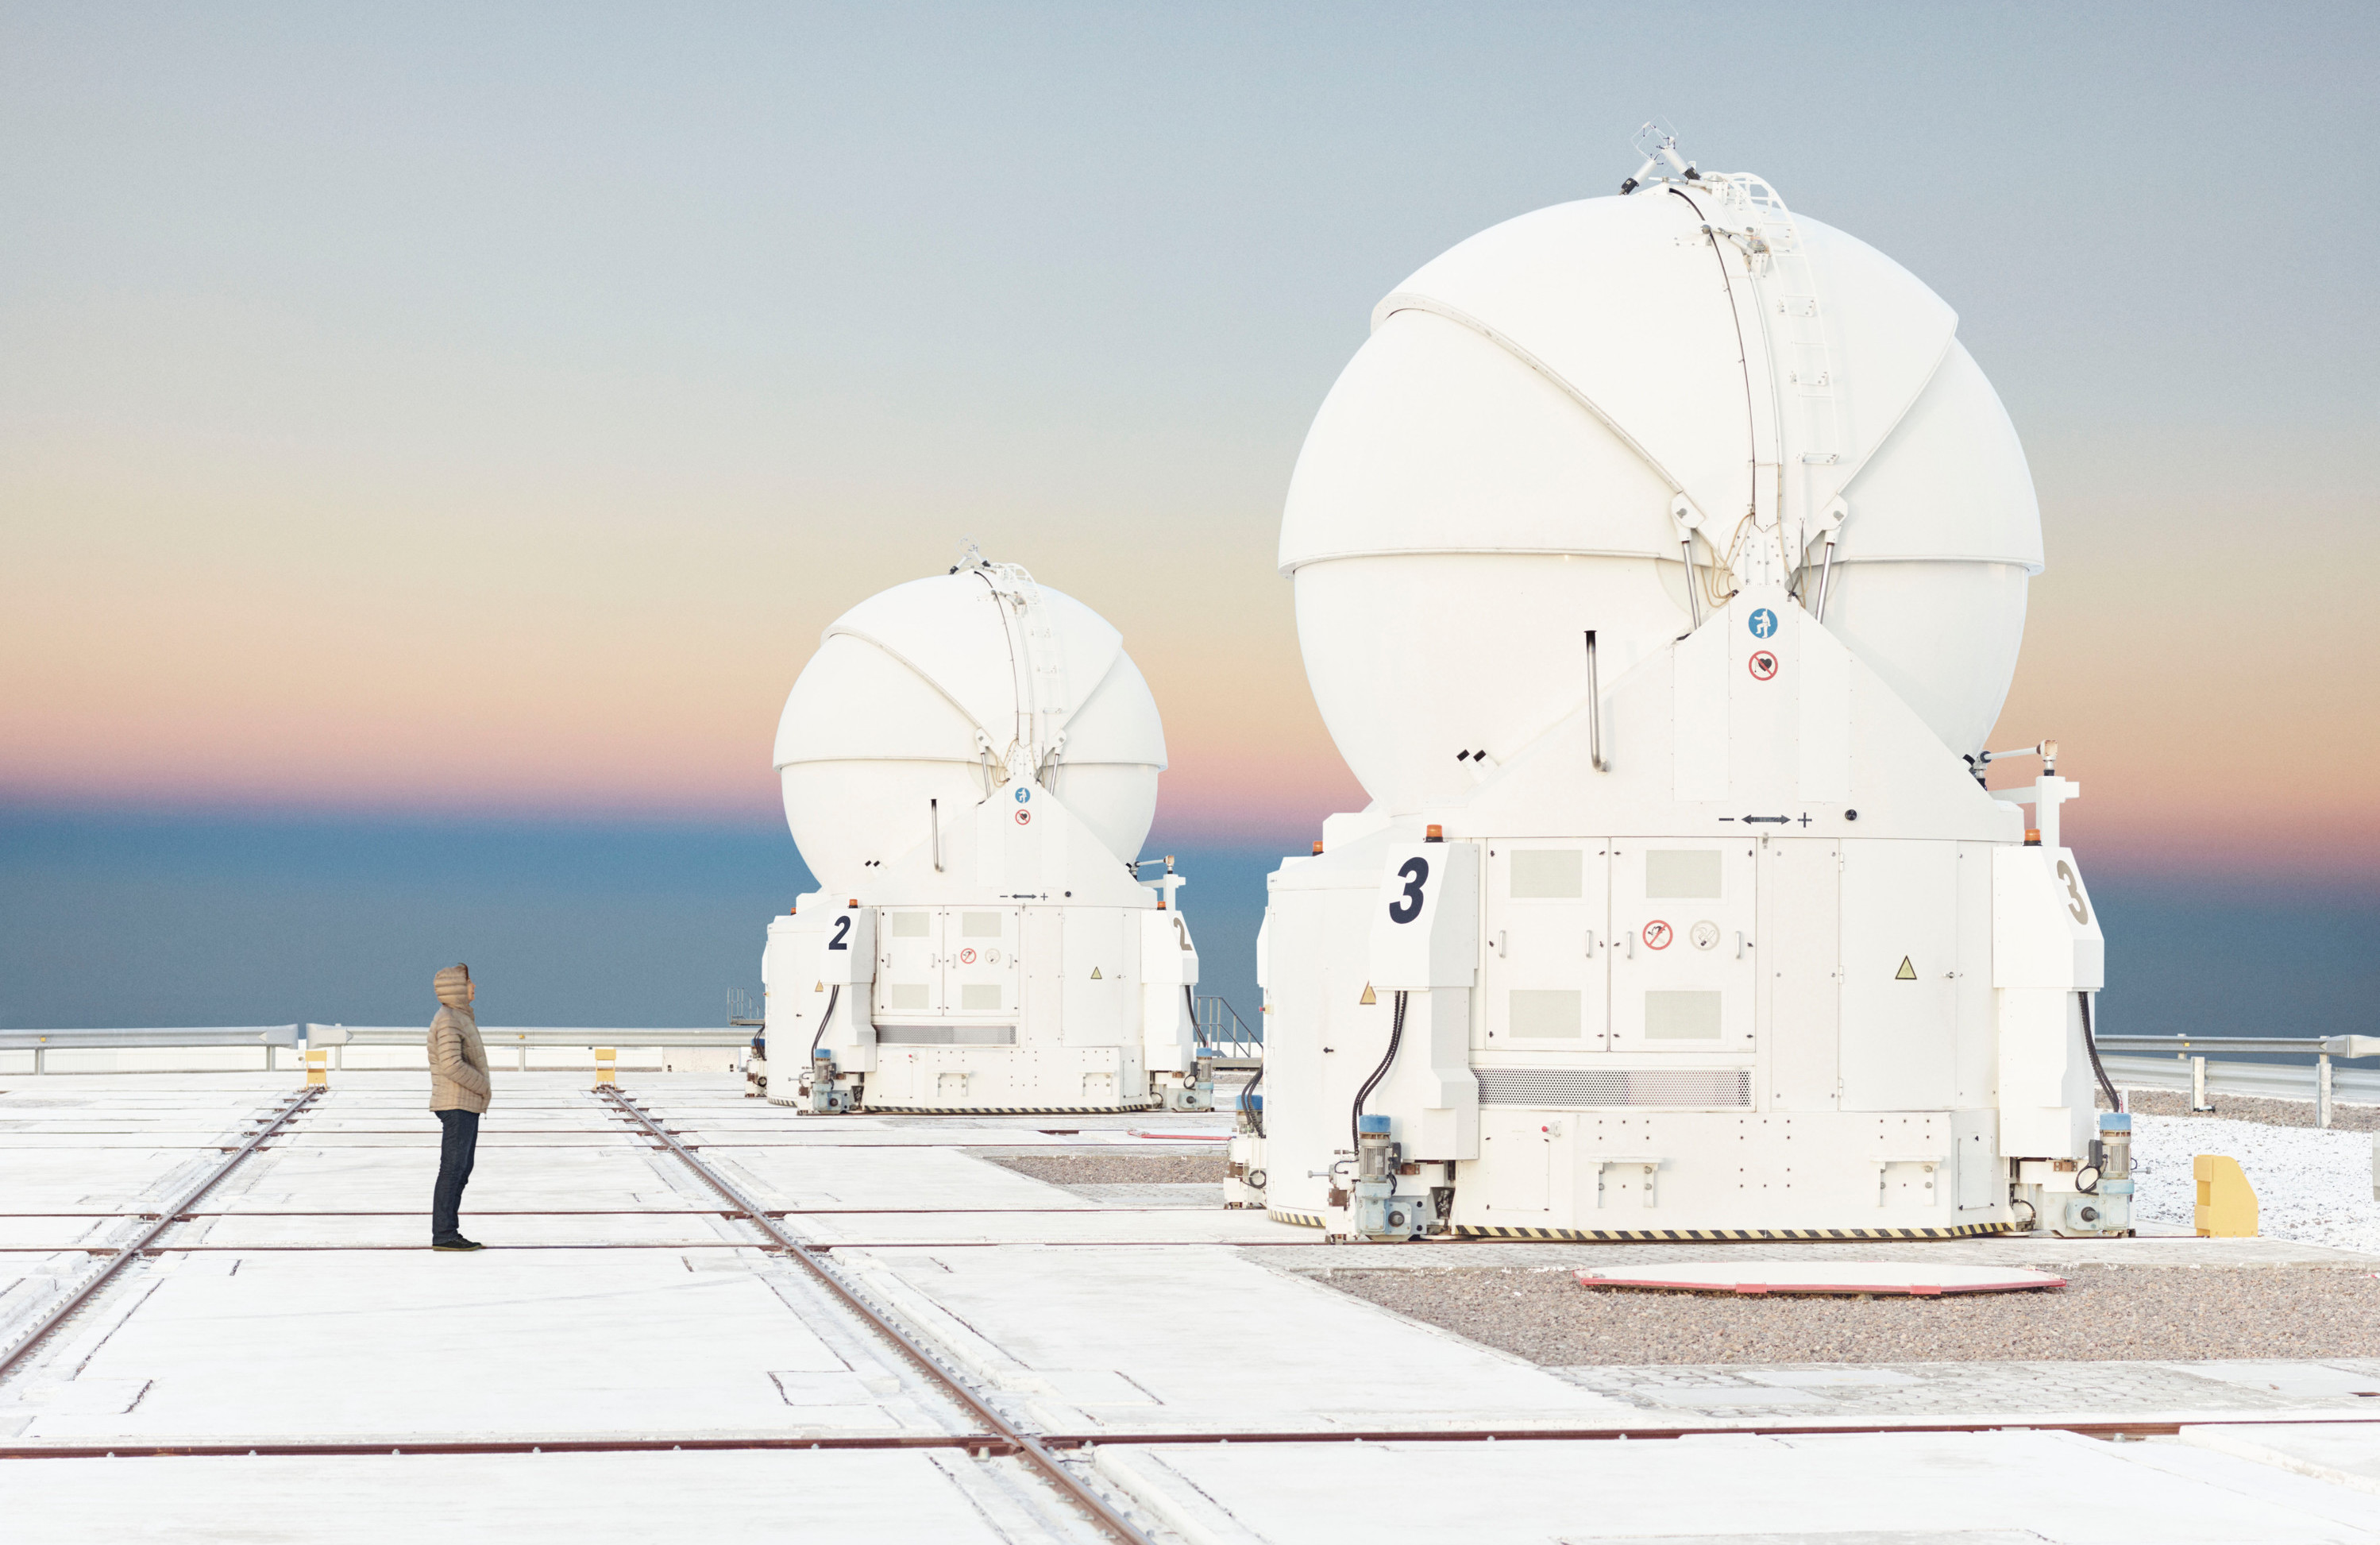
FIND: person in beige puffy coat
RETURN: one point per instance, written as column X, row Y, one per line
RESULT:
column 458, row 1093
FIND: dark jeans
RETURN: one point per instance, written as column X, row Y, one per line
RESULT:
column 456, row 1152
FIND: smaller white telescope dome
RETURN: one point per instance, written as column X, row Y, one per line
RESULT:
column 949, row 688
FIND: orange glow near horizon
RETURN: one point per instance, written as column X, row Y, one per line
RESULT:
column 246, row 649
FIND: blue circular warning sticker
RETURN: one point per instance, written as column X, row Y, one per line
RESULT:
column 1763, row 623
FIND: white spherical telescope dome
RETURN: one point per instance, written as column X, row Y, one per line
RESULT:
column 950, row 688
column 1537, row 415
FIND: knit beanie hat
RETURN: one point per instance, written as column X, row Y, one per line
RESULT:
column 450, row 983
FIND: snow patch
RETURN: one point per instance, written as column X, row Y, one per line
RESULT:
column 2311, row 1187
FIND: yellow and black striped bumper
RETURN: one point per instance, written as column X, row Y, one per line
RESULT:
column 1713, row 1235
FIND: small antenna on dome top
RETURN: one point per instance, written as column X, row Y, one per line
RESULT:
column 1657, row 142
column 970, row 557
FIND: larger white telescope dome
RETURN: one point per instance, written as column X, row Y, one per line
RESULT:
column 1544, row 410
column 949, row 688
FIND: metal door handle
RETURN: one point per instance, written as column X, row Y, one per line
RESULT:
column 1739, row 943
column 1632, row 944
column 1590, row 940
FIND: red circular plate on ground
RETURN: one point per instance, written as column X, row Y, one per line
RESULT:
column 1759, row 1278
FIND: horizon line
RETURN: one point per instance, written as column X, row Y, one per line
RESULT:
column 2119, row 855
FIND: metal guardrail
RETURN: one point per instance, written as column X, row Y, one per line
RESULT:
column 2204, row 1045
column 530, row 1035
column 188, row 1035
column 2255, row 1080
column 1222, row 1033
column 517, row 1038
column 2267, row 1081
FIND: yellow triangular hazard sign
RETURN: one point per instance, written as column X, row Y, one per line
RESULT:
column 1367, row 997
column 1907, row 971
column 820, row 988
column 1095, row 974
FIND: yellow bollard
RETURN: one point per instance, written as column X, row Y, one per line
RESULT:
column 318, row 1066
column 2227, row 1203
column 606, row 1065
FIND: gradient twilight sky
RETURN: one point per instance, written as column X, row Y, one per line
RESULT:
column 481, row 409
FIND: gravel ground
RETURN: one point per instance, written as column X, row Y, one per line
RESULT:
column 1191, row 1198
column 2105, row 1313
column 2240, row 1107
column 2312, row 1186
column 1122, row 1169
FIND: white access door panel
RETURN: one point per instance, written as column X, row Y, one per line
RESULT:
column 1899, row 1034
column 1801, row 957
column 1102, row 995
column 1682, row 957
column 908, row 962
column 979, row 962
column 1547, row 966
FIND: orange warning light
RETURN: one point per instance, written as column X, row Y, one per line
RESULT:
column 1317, row 845
column 853, row 902
column 1434, row 833
column 2032, row 836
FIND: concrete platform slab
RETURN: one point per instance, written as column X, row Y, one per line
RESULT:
column 296, row 1176
column 2344, row 1454
column 1918, row 1488
column 411, row 1344
column 1087, row 1226
column 1213, row 1343
column 905, row 1177
column 830, row 1497
column 1969, row 1391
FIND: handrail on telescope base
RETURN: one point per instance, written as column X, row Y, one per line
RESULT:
column 1595, row 705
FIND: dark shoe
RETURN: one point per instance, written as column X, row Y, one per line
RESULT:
column 456, row 1242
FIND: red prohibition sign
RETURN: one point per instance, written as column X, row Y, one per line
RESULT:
column 1764, row 665
column 1657, row 935
column 1025, row 817
column 966, row 958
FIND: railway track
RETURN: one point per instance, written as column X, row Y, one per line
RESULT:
column 122, row 1255
column 998, row 1433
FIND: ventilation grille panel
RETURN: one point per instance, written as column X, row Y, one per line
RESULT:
column 1558, row 1087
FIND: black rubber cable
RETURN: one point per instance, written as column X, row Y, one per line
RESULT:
column 1256, row 1114
column 833, row 994
column 1355, row 1117
column 2090, row 1044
